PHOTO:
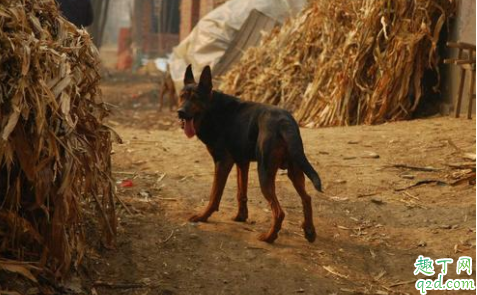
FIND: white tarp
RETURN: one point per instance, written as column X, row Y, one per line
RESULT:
column 208, row 41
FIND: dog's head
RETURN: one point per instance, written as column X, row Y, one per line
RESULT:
column 194, row 99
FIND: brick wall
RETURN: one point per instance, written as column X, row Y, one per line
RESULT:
column 159, row 44
column 192, row 11
column 145, row 31
column 167, row 42
column 190, row 15
column 186, row 6
column 142, row 24
column 205, row 7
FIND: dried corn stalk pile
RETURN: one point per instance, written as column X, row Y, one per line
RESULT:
column 54, row 150
column 345, row 62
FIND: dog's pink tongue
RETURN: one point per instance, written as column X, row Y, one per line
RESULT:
column 189, row 128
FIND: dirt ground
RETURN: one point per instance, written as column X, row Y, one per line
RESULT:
column 371, row 223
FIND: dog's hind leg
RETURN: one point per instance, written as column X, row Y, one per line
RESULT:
column 298, row 179
column 242, row 182
column 267, row 170
column 222, row 170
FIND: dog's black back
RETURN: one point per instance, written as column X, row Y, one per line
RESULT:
column 230, row 125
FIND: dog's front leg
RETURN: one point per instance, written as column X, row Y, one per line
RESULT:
column 222, row 170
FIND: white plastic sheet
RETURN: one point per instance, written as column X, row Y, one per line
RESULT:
column 208, row 41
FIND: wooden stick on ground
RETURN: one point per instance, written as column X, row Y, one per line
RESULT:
column 417, row 168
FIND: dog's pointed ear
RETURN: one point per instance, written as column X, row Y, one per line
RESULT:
column 189, row 76
column 205, row 82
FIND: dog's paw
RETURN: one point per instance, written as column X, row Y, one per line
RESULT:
column 268, row 238
column 240, row 217
column 198, row 218
column 310, row 233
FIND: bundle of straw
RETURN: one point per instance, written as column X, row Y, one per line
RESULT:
column 345, row 62
column 54, row 149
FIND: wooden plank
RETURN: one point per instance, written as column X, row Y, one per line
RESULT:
column 469, row 67
column 461, row 45
column 234, row 51
column 264, row 25
column 456, row 61
column 249, row 35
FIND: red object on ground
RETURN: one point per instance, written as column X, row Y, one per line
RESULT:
column 126, row 183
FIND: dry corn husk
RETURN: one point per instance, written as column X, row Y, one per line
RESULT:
column 345, row 62
column 54, row 149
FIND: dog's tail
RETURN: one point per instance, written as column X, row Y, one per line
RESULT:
column 291, row 134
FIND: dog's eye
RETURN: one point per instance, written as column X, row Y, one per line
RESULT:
column 194, row 95
column 184, row 95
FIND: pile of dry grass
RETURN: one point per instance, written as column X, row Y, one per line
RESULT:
column 345, row 62
column 54, row 149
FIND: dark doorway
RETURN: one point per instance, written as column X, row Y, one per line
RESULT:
column 170, row 17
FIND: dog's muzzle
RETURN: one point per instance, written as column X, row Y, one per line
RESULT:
column 183, row 115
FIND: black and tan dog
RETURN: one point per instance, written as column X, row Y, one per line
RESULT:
column 239, row 132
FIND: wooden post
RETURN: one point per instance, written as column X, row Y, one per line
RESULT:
column 471, row 95
column 467, row 64
column 461, row 88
